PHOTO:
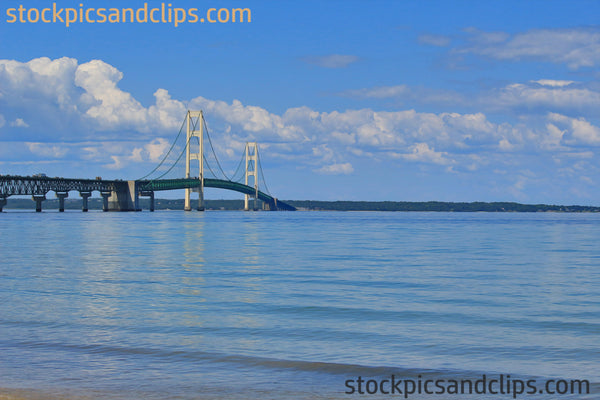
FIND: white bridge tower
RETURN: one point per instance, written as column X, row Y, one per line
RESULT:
column 251, row 173
column 195, row 126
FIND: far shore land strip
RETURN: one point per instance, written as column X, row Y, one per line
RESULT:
column 317, row 205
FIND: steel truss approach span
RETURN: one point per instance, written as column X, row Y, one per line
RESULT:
column 121, row 195
column 28, row 185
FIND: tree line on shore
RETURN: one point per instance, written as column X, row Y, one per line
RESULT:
column 317, row 205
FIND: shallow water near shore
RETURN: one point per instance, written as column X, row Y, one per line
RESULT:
column 244, row 305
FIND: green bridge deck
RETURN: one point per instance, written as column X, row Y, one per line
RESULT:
column 172, row 184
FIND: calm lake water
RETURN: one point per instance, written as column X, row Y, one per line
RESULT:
column 295, row 305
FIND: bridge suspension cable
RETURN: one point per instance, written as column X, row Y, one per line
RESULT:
column 174, row 164
column 214, row 154
column 261, row 171
column 209, row 168
column 239, row 169
column 194, row 123
column 166, row 155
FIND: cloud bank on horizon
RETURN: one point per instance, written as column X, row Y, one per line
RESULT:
column 530, row 140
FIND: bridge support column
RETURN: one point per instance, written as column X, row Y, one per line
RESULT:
column 270, row 206
column 105, row 196
column 200, row 199
column 195, row 128
column 61, row 200
column 151, row 195
column 247, row 204
column 125, row 197
column 84, row 202
column 38, row 198
column 251, row 173
column 3, row 202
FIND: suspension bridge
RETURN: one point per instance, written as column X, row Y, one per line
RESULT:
column 198, row 173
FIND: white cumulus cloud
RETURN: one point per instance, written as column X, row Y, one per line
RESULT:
column 581, row 131
column 84, row 106
column 553, row 82
column 83, row 97
column 575, row 47
column 381, row 92
column 48, row 149
column 331, row 60
column 19, row 123
column 434, row 40
column 420, row 152
column 554, row 95
column 336, row 169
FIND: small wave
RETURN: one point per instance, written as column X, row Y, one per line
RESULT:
column 251, row 362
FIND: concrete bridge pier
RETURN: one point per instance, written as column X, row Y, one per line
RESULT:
column 3, row 202
column 61, row 200
column 151, row 195
column 105, row 196
column 125, row 197
column 270, row 206
column 84, row 196
column 38, row 198
column 200, row 199
column 188, row 202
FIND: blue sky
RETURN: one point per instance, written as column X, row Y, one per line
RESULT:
column 349, row 100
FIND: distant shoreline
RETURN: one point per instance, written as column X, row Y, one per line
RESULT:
column 318, row 205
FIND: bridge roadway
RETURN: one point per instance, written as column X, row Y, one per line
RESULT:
column 117, row 195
